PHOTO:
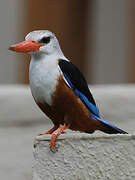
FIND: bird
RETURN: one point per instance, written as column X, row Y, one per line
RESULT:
column 59, row 88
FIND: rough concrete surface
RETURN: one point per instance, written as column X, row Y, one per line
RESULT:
column 85, row 157
column 21, row 120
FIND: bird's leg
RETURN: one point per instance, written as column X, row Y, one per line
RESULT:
column 59, row 131
column 50, row 131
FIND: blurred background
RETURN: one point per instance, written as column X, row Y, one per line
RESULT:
column 96, row 35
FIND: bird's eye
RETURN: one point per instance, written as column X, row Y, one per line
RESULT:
column 45, row 40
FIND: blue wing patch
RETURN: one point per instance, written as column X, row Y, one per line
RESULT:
column 76, row 78
column 90, row 106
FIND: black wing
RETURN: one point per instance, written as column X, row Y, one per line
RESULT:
column 76, row 78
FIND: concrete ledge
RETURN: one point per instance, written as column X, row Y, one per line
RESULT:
column 21, row 120
column 82, row 156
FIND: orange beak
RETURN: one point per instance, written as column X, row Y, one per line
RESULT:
column 26, row 46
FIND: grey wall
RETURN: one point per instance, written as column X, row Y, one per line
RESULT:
column 107, row 45
column 11, row 24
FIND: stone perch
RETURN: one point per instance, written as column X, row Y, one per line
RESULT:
column 82, row 156
column 109, row 157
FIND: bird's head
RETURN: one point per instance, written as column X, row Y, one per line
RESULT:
column 41, row 41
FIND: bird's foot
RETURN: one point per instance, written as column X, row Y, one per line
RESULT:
column 59, row 131
column 53, row 139
column 50, row 131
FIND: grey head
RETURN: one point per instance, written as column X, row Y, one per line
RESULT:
column 50, row 44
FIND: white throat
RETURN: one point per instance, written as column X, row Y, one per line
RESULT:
column 43, row 75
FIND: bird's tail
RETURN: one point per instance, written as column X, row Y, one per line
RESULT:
column 114, row 130
column 109, row 128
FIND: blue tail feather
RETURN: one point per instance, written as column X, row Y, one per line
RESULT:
column 111, row 129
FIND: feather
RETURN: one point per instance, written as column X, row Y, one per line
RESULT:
column 79, row 85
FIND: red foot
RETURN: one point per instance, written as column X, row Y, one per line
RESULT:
column 53, row 139
column 50, row 131
column 56, row 134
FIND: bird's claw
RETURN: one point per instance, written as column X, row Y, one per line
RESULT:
column 53, row 139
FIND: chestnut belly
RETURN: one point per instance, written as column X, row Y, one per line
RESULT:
column 68, row 108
